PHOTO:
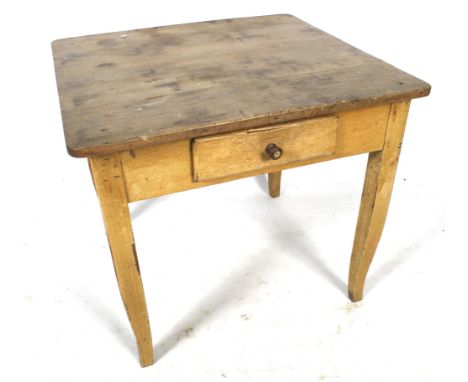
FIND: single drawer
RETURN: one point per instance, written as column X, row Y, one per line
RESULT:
column 256, row 149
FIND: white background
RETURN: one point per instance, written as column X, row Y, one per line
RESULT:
column 239, row 286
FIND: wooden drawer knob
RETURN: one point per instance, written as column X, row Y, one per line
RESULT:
column 274, row 151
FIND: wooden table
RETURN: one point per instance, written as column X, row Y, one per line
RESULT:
column 173, row 108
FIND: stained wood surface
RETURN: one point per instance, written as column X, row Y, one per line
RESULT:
column 223, row 155
column 378, row 185
column 131, row 89
column 167, row 167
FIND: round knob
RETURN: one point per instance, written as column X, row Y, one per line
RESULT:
column 273, row 151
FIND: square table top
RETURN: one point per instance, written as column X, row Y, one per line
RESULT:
column 131, row 89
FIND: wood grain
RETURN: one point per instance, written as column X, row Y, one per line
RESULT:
column 131, row 89
column 110, row 188
column 166, row 168
column 380, row 176
column 225, row 155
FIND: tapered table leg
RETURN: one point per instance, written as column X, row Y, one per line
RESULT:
column 274, row 183
column 110, row 188
column 380, row 175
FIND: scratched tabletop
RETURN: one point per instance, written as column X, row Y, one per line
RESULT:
column 136, row 88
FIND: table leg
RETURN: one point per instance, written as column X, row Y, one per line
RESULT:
column 110, row 188
column 380, row 175
column 274, row 184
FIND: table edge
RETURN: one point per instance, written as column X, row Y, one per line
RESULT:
column 211, row 129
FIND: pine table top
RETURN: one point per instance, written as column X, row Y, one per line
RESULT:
column 131, row 89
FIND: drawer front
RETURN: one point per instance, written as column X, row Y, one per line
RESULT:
column 230, row 154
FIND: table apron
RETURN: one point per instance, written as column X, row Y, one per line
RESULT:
column 167, row 168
